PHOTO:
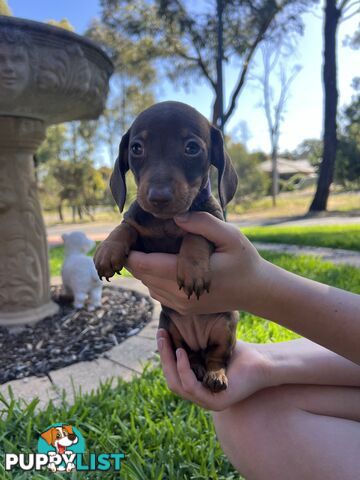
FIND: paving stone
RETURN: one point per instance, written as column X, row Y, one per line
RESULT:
column 133, row 352
column 150, row 329
column 87, row 376
column 30, row 388
column 335, row 255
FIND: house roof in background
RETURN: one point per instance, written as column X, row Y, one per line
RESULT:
column 286, row 166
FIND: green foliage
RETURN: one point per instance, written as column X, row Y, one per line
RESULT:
column 310, row 149
column 66, row 171
column 161, row 435
column 331, row 236
column 63, row 23
column 347, row 167
column 253, row 183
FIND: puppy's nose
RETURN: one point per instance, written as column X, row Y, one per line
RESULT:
column 160, row 195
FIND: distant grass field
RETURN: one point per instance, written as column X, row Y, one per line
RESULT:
column 291, row 204
column 332, row 236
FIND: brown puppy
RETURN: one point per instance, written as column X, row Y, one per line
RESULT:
column 169, row 148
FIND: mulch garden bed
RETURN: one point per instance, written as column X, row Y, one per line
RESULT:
column 71, row 335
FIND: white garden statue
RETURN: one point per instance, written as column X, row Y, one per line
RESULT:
column 79, row 275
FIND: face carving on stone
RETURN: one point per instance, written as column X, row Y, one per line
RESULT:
column 14, row 70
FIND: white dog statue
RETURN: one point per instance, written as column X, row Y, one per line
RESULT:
column 79, row 274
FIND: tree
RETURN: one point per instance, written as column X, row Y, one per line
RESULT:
column 347, row 168
column 5, row 9
column 309, row 149
column 185, row 36
column 50, row 154
column 335, row 11
column 133, row 80
column 275, row 105
column 63, row 23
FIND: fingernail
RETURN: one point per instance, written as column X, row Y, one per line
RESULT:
column 179, row 354
column 160, row 344
column 182, row 218
column 160, row 332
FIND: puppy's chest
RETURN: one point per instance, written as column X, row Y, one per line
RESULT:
column 159, row 236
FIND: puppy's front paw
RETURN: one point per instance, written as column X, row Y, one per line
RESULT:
column 193, row 276
column 216, row 380
column 110, row 258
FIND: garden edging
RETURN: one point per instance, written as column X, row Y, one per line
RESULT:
column 124, row 360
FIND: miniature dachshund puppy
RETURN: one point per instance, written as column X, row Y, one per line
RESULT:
column 169, row 148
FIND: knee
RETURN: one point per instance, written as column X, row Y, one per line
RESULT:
column 247, row 429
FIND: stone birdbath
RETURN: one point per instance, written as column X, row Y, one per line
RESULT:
column 47, row 75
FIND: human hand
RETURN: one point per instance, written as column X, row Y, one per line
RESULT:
column 248, row 371
column 235, row 269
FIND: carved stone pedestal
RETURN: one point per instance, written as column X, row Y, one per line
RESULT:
column 47, row 75
column 24, row 270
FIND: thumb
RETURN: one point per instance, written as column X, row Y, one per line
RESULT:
column 210, row 227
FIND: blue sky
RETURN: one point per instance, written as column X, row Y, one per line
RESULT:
column 303, row 118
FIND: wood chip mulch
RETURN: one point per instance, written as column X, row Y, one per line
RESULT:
column 71, row 335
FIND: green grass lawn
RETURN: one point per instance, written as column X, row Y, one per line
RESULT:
column 162, row 436
column 333, row 236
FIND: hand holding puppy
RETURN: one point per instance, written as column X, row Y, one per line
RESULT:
column 235, row 264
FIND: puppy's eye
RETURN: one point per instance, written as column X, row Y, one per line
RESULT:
column 137, row 148
column 192, row 148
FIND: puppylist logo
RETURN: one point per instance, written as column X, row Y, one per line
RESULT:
column 61, row 448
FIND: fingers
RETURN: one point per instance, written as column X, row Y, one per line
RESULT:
column 210, row 227
column 168, row 361
column 161, row 264
column 181, row 379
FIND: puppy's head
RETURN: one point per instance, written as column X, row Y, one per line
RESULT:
column 62, row 435
column 169, row 148
column 77, row 242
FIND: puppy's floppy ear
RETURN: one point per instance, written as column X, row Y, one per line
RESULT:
column 49, row 435
column 227, row 178
column 117, row 179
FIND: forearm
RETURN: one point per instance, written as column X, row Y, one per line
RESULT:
column 323, row 314
column 304, row 362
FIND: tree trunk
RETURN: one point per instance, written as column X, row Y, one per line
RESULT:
column 332, row 16
column 60, row 212
column 275, row 176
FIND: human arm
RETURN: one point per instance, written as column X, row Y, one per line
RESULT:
column 254, row 367
column 241, row 279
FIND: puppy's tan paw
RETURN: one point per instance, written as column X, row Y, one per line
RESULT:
column 193, row 276
column 216, row 380
column 110, row 258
